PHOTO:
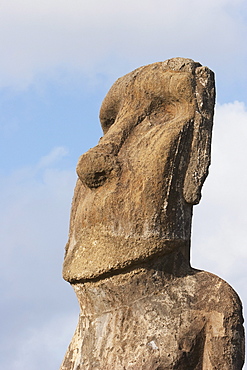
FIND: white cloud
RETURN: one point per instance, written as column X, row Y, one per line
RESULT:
column 84, row 36
column 219, row 240
column 44, row 346
column 34, row 201
column 55, row 155
column 38, row 307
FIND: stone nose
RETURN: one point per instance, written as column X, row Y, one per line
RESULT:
column 101, row 162
column 96, row 166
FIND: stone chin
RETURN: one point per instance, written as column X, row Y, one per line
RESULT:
column 134, row 196
column 107, row 255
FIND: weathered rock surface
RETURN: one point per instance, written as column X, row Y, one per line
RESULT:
column 127, row 258
column 136, row 188
column 147, row 319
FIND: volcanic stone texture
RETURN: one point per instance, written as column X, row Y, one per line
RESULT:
column 134, row 196
column 142, row 306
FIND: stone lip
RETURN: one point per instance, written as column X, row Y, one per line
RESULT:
column 136, row 188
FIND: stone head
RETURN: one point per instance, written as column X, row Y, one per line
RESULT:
column 136, row 188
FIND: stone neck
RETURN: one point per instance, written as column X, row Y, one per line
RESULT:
column 104, row 295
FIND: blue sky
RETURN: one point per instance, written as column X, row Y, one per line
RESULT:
column 58, row 60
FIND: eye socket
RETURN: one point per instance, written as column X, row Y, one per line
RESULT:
column 106, row 123
column 112, row 104
column 108, row 112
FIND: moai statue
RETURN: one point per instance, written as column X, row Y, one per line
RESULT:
column 142, row 306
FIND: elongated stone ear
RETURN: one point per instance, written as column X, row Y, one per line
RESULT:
column 200, row 156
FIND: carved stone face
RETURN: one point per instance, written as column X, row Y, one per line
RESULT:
column 136, row 188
